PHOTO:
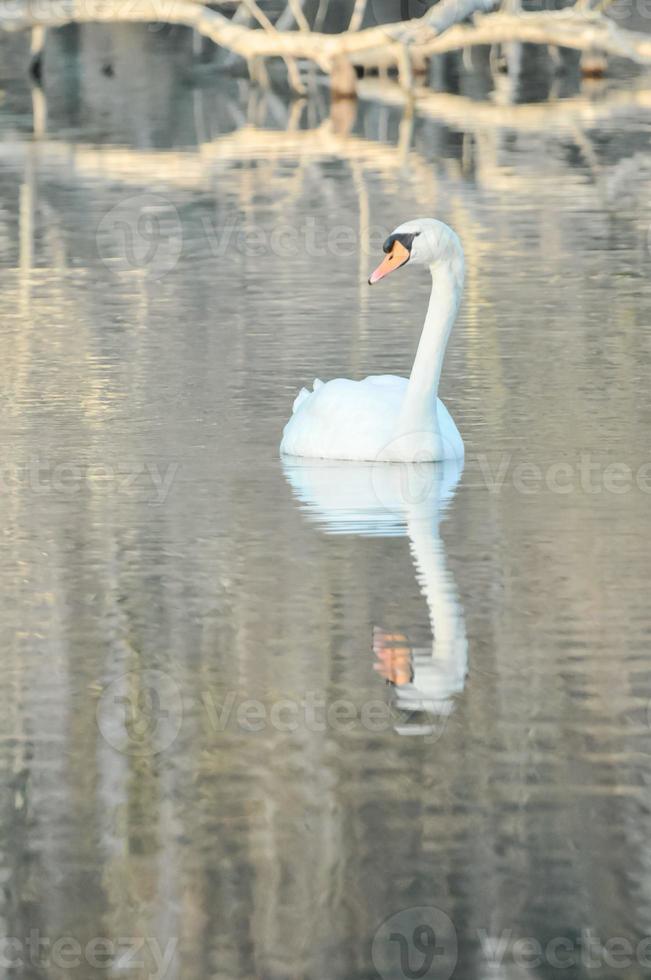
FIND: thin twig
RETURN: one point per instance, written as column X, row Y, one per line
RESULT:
column 357, row 16
column 299, row 16
column 290, row 63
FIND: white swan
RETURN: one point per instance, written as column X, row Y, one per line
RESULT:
column 389, row 418
column 386, row 500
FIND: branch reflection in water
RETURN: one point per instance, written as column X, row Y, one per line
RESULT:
column 392, row 500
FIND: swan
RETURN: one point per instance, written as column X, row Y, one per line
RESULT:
column 385, row 500
column 388, row 418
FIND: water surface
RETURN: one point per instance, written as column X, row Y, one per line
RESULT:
column 208, row 742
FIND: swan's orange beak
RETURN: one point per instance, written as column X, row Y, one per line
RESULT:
column 396, row 257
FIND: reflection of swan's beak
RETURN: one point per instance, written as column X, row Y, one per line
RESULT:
column 393, row 653
column 396, row 257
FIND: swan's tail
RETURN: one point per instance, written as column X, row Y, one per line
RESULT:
column 305, row 393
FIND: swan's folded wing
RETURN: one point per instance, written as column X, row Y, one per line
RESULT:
column 344, row 419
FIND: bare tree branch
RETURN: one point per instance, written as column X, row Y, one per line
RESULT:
column 562, row 28
column 438, row 31
column 321, row 48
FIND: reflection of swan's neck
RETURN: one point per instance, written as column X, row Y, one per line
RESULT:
column 449, row 646
column 420, row 401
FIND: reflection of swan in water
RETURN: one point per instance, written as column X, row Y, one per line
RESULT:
column 392, row 499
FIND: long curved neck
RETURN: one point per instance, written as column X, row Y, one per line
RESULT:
column 449, row 643
column 419, row 408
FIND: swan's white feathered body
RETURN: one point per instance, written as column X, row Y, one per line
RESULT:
column 388, row 418
column 358, row 420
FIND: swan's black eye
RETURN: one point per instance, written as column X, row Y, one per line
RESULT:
column 405, row 240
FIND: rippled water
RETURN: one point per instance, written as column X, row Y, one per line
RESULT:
column 253, row 710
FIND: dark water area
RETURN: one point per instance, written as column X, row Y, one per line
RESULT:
column 279, row 721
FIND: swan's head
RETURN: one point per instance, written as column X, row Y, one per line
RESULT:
column 423, row 241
